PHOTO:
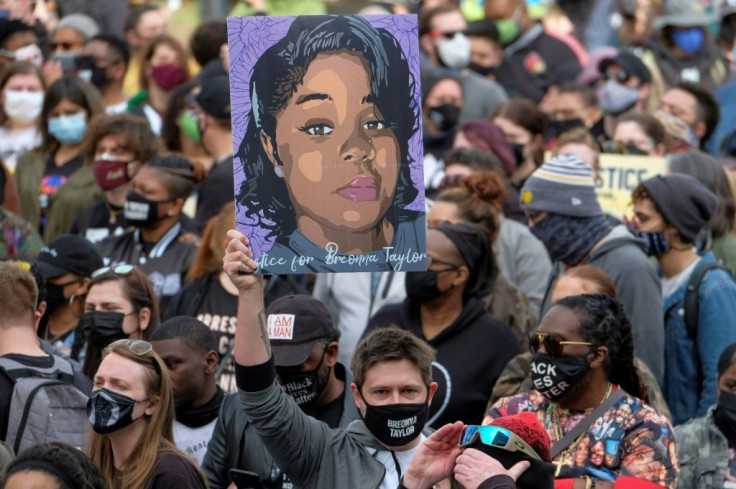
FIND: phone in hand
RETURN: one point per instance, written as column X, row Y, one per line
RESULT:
column 245, row 479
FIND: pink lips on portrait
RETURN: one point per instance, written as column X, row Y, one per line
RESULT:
column 361, row 189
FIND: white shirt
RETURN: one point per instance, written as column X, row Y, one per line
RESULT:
column 14, row 143
column 392, row 478
column 193, row 441
column 670, row 285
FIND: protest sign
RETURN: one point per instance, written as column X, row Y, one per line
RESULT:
column 327, row 142
column 619, row 175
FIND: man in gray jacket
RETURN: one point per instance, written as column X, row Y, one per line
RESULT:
column 305, row 349
column 560, row 200
column 392, row 390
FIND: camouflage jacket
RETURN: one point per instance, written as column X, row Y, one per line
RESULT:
column 19, row 239
column 510, row 304
column 702, row 451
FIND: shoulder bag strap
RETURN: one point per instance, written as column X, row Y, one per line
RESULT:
column 572, row 435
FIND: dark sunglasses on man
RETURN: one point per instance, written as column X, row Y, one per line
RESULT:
column 553, row 343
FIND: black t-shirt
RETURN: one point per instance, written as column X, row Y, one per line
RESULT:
column 54, row 177
column 175, row 471
column 99, row 220
column 219, row 311
column 6, row 384
column 330, row 413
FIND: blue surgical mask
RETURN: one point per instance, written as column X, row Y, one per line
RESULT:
column 689, row 40
column 68, row 129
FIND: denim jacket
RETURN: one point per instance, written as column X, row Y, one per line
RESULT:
column 691, row 366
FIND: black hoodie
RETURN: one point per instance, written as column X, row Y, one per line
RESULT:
column 471, row 353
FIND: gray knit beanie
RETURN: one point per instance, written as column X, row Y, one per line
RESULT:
column 84, row 24
column 563, row 185
column 683, row 201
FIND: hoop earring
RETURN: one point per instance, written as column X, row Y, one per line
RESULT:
column 278, row 172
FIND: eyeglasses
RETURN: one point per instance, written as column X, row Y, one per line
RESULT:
column 431, row 261
column 138, row 347
column 446, row 35
column 118, row 270
column 553, row 344
column 495, row 436
column 619, row 76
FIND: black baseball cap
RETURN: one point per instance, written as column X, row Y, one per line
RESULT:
column 630, row 63
column 214, row 97
column 295, row 324
column 68, row 253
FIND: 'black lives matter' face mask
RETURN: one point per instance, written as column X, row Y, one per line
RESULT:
column 396, row 425
column 305, row 387
column 555, row 377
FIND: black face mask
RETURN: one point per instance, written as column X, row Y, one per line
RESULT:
column 139, row 211
column 98, row 76
column 305, row 387
column 482, row 70
column 102, row 328
column 54, row 298
column 422, row 286
column 555, row 377
column 444, row 117
column 725, row 414
column 395, row 425
column 560, row 126
column 518, row 150
column 109, row 411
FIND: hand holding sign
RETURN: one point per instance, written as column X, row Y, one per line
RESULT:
column 238, row 262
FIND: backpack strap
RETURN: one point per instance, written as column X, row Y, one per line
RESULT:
column 692, row 297
column 61, row 369
column 27, row 410
column 586, row 422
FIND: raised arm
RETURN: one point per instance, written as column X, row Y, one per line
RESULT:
column 251, row 343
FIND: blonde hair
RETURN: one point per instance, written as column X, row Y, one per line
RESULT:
column 17, row 283
column 211, row 252
column 157, row 439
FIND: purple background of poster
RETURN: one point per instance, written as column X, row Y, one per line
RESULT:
column 248, row 39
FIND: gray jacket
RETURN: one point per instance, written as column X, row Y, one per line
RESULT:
column 622, row 256
column 235, row 443
column 313, row 455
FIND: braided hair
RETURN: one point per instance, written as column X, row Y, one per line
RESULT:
column 603, row 322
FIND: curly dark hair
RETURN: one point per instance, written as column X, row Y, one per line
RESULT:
column 71, row 468
column 276, row 76
column 137, row 134
column 603, row 322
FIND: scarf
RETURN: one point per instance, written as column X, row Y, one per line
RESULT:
column 570, row 239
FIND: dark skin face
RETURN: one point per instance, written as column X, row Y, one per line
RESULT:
column 727, row 380
column 312, row 362
column 563, row 322
column 192, row 371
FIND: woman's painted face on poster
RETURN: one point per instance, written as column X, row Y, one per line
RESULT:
column 338, row 156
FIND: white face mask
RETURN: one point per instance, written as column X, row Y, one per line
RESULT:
column 30, row 53
column 22, row 105
column 454, row 52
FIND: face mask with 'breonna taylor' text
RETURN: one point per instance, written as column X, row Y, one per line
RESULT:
column 395, row 425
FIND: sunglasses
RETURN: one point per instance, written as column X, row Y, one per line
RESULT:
column 553, row 344
column 138, row 347
column 65, row 46
column 119, row 270
column 431, row 261
column 620, row 76
column 446, row 35
column 495, row 436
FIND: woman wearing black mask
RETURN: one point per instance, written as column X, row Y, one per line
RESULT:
column 443, row 307
column 711, row 439
column 157, row 244
column 131, row 411
column 524, row 126
column 442, row 101
column 120, row 304
column 585, row 379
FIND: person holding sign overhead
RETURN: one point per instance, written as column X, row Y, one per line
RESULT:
column 326, row 151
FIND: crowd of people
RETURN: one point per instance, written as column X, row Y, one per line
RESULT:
column 549, row 344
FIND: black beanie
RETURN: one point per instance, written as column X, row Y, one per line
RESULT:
column 683, row 201
column 474, row 251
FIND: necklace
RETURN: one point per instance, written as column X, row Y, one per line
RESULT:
column 114, row 214
column 554, row 412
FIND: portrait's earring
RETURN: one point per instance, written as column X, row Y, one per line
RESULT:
column 72, row 299
column 278, row 172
